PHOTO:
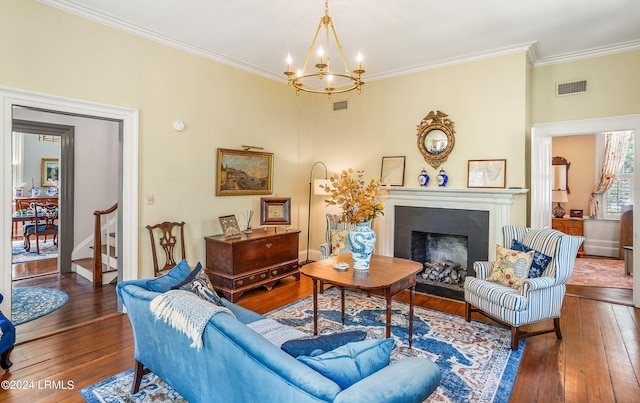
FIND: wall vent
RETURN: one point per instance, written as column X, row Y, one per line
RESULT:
column 573, row 87
column 338, row 106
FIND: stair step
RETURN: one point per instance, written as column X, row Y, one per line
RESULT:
column 87, row 263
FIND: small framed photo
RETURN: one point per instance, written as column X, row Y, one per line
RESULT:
column 487, row 173
column 275, row 211
column 392, row 172
column 241, row 172
column 575, row 213
column 230, row 228
column 49, row 171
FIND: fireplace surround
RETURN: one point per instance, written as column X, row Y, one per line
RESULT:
column 475, row 214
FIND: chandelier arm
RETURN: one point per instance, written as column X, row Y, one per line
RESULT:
column 335, row 35
column 313, row 43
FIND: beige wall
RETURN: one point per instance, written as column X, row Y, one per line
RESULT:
column 614, row 88
column 487, row 101
column 580, row 151
column 50, row 51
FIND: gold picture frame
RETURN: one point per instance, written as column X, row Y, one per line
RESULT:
column 275, row 211
column 229, row 225
column 487, row 173
column 49, row 171
column 242, row 172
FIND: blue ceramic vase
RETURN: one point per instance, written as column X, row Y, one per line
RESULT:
column 423, row 178
column 362, row 241
column 443, row 178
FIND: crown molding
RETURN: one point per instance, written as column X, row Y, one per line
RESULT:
column 126, row 26
column 523, row 47
column 531, row 48
column 588, row 54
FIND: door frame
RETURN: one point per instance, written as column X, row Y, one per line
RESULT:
column 128, row 198
column 66, row 191
column 541, row 178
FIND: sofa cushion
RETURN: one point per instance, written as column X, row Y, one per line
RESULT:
column 339, row 242
column 325, row 342
column 189, row 278
column 511, row 267
column 540, row 260
column 202, row 287
column 172, row 277
column 352, row 362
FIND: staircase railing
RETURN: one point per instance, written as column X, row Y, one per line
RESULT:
column 97, row 242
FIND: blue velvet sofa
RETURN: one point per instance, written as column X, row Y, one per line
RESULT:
column 7, row 340
column 236, row 364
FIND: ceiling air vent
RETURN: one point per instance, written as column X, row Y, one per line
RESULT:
column 573, row 87
column 338, row 106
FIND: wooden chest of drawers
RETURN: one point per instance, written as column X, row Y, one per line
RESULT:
column 570, row 226
column 253, row 260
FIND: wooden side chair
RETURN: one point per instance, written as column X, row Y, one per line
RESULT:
column 45, row 216
column 168, row 241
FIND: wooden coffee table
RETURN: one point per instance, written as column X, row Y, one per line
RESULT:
column 387, row 276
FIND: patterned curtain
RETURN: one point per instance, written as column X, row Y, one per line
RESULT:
column 615, row 151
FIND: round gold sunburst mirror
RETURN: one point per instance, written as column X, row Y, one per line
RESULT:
column 435, row 138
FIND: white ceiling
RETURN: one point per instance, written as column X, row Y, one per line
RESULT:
column 395, row 37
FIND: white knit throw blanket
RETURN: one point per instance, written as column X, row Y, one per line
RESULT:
column 186, row 312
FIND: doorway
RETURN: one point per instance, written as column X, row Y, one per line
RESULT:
column 541, row 168
column 127, row 120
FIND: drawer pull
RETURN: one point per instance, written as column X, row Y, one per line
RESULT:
column 268, row 245
column 263, row 275
column 252, row 277
column 274, row 272
column 240, row 282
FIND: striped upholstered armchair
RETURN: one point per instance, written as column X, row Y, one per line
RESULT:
column 537, row 299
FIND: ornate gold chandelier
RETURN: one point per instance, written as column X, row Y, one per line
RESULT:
column 336, row 82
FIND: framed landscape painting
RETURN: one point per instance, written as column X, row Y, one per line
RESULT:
column 242, row 172
column 50, row 169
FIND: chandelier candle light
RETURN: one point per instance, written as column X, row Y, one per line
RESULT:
column 336, row 82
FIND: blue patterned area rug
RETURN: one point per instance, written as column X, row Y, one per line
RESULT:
column 476, row 359
column 19, row 255
column 31, row 303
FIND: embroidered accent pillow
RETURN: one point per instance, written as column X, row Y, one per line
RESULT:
column 339, row 242
column 202, row 287
column 540, row 260
column 511, row 267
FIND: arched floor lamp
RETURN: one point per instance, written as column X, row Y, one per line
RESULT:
column 316, row 191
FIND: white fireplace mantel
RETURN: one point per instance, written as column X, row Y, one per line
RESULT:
column 497, row 202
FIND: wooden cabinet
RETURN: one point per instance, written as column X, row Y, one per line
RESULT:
column 570, row 226
column 253, row 260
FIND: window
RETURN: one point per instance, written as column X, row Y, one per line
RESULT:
column 621, row 192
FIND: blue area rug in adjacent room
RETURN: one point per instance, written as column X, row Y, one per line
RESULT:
column 30, row 303
column 475, row 358
column 19, row 255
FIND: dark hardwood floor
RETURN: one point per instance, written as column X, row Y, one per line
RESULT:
column 598, row 359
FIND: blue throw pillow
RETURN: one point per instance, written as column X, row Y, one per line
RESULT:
column 202, row 287
column 190, row 277
column 540, row 260
column 325, row 342
column 352, row 362
column 172, row 277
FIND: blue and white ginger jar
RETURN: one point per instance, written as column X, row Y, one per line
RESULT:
column 362, row 241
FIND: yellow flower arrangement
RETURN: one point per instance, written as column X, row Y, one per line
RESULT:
column 360, row 202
